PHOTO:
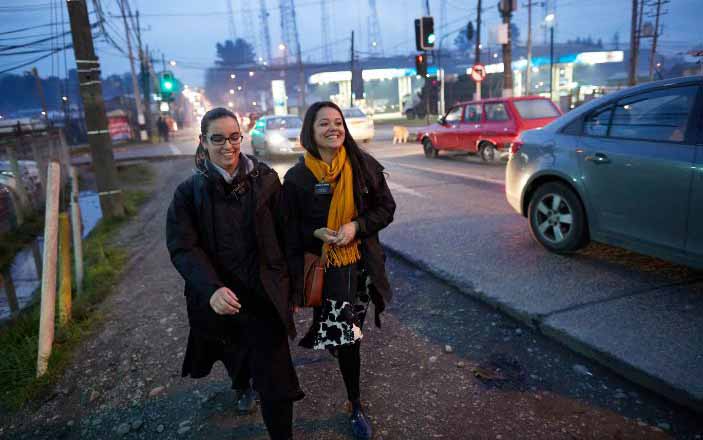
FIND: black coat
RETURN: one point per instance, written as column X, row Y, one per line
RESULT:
column 305, row 212
column 190, row 241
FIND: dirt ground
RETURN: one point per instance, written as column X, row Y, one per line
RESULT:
column 124, row 381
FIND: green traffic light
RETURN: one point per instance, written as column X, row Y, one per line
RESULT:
column 168, row 85
column 431, row 38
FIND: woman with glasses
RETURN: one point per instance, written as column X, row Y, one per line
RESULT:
column 336, row 200
column 223, row 234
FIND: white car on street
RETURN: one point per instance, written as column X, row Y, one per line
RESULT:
column 360, row 125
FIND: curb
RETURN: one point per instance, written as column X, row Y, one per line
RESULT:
column 621, row 367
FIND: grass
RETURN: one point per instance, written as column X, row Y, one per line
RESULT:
column 103, row 263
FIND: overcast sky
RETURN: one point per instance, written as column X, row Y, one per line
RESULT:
column 187, row 32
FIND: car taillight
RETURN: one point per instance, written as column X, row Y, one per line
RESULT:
column 515, row 147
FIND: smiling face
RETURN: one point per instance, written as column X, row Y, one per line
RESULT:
column 328, row 129
column 225, row 156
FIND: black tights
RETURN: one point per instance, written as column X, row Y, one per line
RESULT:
column 278, row 417
column 350, row 366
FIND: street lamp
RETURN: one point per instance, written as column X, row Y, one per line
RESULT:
column 64, row 98
column 230, row 104
column 232, row 76
column 281, row 47
column 549, row 22
column 251, row 73
column 231, row 91
column 172, row 63
column 239, row 87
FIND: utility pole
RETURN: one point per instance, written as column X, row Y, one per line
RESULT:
column 351, row 97
column 477, row 95
column 528, row 70
column 301, row 82
column 634, row 36
column 653, row 54
column 40, row 92
column 144, row 77
column 88, row 68
column 135, row 84
column 506, row 11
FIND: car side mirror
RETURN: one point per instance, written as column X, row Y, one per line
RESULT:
column 442, row 120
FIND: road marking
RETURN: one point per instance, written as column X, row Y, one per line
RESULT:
column 404, row 189
column 174, row 150
column 451, row 173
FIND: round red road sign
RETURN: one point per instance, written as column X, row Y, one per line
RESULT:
column 478, row 72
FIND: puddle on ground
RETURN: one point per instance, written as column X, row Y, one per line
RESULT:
column 23, row 270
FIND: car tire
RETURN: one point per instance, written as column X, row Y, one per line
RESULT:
column 557, row 218
column 488, row 152
column 430, row 151
column 410, row 114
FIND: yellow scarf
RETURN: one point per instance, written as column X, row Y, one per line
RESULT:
column 342, row 210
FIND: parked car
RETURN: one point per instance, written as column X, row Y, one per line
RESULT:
column 276, row 135
column 487, row 127
column 625, row 169
column 360, row 125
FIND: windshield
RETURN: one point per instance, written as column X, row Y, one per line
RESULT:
column 289, row 122
column 353, row 113
column 536, row 109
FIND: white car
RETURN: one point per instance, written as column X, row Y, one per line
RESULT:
column 276, row 135
column 360, row 125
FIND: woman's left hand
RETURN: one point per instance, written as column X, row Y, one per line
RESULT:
column 346, row 234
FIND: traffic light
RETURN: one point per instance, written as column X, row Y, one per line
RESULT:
column 166, row 86
column 421, row 64
column 470, row 31
column 424, row 33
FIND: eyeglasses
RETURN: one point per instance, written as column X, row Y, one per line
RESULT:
column 219, row 139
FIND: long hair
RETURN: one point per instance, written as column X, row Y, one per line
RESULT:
column 307, row 139
column 201, row 153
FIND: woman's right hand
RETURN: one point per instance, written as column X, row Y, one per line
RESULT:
column 225, row 302
column 327, row 235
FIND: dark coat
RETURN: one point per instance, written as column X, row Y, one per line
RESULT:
column 190, row 241
column 305, row 212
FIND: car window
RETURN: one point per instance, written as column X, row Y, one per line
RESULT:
column 473, row 113
column 661, row 115
column 596, row 123
column 536, row 109
column 496, row 112
column 353, row 113
column 454, row 114
column 274, row 123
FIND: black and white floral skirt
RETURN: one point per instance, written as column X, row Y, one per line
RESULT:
column 340, row 318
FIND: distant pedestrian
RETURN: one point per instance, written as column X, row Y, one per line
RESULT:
column 162, row 127
column 223, row 233
column 336, row 200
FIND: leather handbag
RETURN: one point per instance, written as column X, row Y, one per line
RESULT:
column 314, row 275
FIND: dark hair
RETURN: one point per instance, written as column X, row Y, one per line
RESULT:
column 217, row 113
column 307, row 139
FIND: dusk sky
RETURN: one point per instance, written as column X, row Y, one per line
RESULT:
column 187, row 32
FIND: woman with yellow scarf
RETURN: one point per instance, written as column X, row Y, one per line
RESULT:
column 336, row 200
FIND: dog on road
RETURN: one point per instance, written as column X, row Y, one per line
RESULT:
column 400, row 134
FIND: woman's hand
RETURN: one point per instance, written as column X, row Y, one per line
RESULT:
column 346, row 234
column 327, row 235
column 225, row 302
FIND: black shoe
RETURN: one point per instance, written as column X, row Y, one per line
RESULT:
column 361, row 428
column 246, row 401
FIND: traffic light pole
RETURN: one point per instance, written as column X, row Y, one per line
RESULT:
column 507, row 51
column 477, row 95
column 111, row 200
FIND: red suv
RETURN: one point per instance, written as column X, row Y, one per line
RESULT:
column 487, row 127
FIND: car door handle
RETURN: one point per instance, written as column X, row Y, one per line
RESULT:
column 598, row 158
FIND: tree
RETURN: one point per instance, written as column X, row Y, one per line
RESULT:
column 233, row 54
column 461, row 42
column 514, row 33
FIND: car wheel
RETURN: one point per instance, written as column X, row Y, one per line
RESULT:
column 488, row 152
column 410, row 114
column 430, row 150
column 557, row 218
